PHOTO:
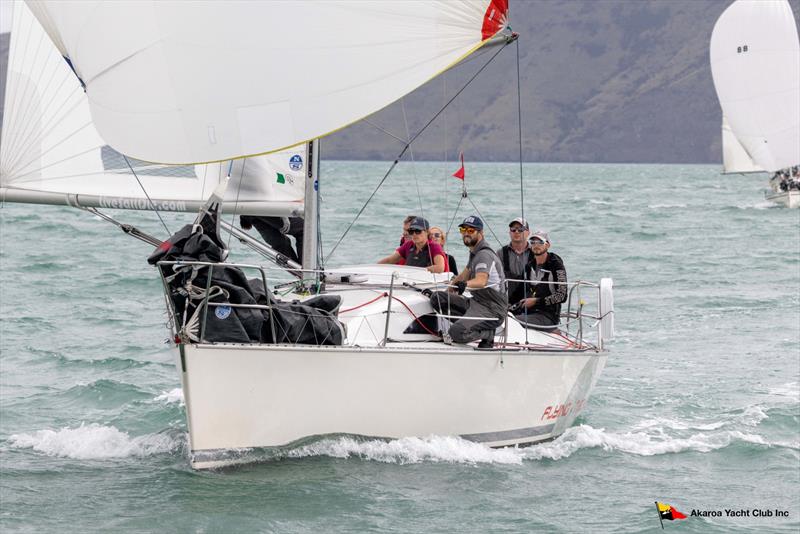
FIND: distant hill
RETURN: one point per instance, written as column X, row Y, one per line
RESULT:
column 601, row 81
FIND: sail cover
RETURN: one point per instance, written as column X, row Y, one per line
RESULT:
column 176, row 81
column 52, row 153
column 735, row 158
column 755, row 63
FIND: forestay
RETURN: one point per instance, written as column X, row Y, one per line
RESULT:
column 193, row 82
column 735, row 158
column 755, row 63
column 52, row 153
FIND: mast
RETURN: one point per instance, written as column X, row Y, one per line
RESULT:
column 310, row 212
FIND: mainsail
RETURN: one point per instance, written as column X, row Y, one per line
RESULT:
column 735, row 158
column 755, row 63
column 195, row 82
column 52, row 153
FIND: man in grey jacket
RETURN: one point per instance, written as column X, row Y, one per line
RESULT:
column 484, row 277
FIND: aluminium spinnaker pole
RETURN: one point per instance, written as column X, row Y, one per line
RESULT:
column 310, row 213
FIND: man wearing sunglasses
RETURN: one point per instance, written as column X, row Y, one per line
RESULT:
column 484, row 278
column 516, row 256
column 542, row 308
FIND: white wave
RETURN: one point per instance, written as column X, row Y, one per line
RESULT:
column 411, row 450
column 638, row 443
column 675, row 424
column 92, row 442
column 789, row 390
column 662, row 206
column 753, row 415
column 171, row 397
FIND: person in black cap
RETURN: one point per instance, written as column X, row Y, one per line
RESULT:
column 417, row 251
column 548, row 290
column 484, row 278
column 516, row 256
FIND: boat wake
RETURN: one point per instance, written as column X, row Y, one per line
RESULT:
column 97, row 442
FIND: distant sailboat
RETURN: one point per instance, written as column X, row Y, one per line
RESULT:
column 755, row 63
column 213, row 93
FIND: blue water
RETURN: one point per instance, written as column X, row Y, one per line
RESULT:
column 698, row 407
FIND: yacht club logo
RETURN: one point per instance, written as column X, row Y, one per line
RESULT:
column 666, row 511
column 222, row 312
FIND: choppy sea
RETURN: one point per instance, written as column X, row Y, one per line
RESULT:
column 698, row 407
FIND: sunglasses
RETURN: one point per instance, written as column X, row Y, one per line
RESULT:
column 467, row 230
column 415, row 231
column 437, row 235
column 536, row 242
column 517, row 229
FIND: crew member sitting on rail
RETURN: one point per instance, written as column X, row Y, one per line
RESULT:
column 516, row 256
column 418, row 251
column 484, row 278
column 548, row 286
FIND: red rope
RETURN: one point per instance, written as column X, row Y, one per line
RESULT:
column 415, row 317
column 384, row 294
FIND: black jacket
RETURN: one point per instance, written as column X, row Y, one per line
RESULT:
column 549, row 296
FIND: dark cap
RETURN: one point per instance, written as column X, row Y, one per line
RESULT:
column 418, row 224
column 520, row 221
column 473, row 221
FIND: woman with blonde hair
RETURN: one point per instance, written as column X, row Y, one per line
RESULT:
column 436, row 235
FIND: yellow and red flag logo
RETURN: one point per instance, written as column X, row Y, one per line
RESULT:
column 665, row 511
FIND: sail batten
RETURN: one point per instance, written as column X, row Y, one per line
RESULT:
column 244, row 78
column 755, row 64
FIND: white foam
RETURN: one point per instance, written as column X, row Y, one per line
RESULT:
column 94, row 441
column 789, row 390
column 171, row 397
column 638, row 443
column 661, row 206
column 411, row 451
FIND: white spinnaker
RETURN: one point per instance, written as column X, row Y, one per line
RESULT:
column 179, row 81
column 52, row 153
column 735, row 158
column 755, row 63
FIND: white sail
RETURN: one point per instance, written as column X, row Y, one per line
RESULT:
column 755, row 63
column 52, row 153
column 177, row 81
column 735, row 158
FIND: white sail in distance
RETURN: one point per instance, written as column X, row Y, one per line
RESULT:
column 52, row 153
column 755, row 63
column 176, row 81
column 735, row 158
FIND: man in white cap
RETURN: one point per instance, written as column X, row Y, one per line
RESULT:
column 548, row 286
column 515, row 257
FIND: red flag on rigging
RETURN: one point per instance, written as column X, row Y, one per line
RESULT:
column 460, row 172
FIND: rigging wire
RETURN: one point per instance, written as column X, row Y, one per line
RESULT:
column 148, row 196
column 236, row 203
column 406, row 147
column 519, row 123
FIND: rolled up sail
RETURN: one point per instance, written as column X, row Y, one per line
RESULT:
column 175, row 81
column 755, row 63
column 51, row 152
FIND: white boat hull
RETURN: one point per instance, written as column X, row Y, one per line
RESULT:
column 246, row 396
column 790, row 199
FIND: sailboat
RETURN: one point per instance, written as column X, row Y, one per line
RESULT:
column 755, row 63
column 99, row 92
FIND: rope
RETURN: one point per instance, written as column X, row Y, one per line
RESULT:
column 384, row 294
